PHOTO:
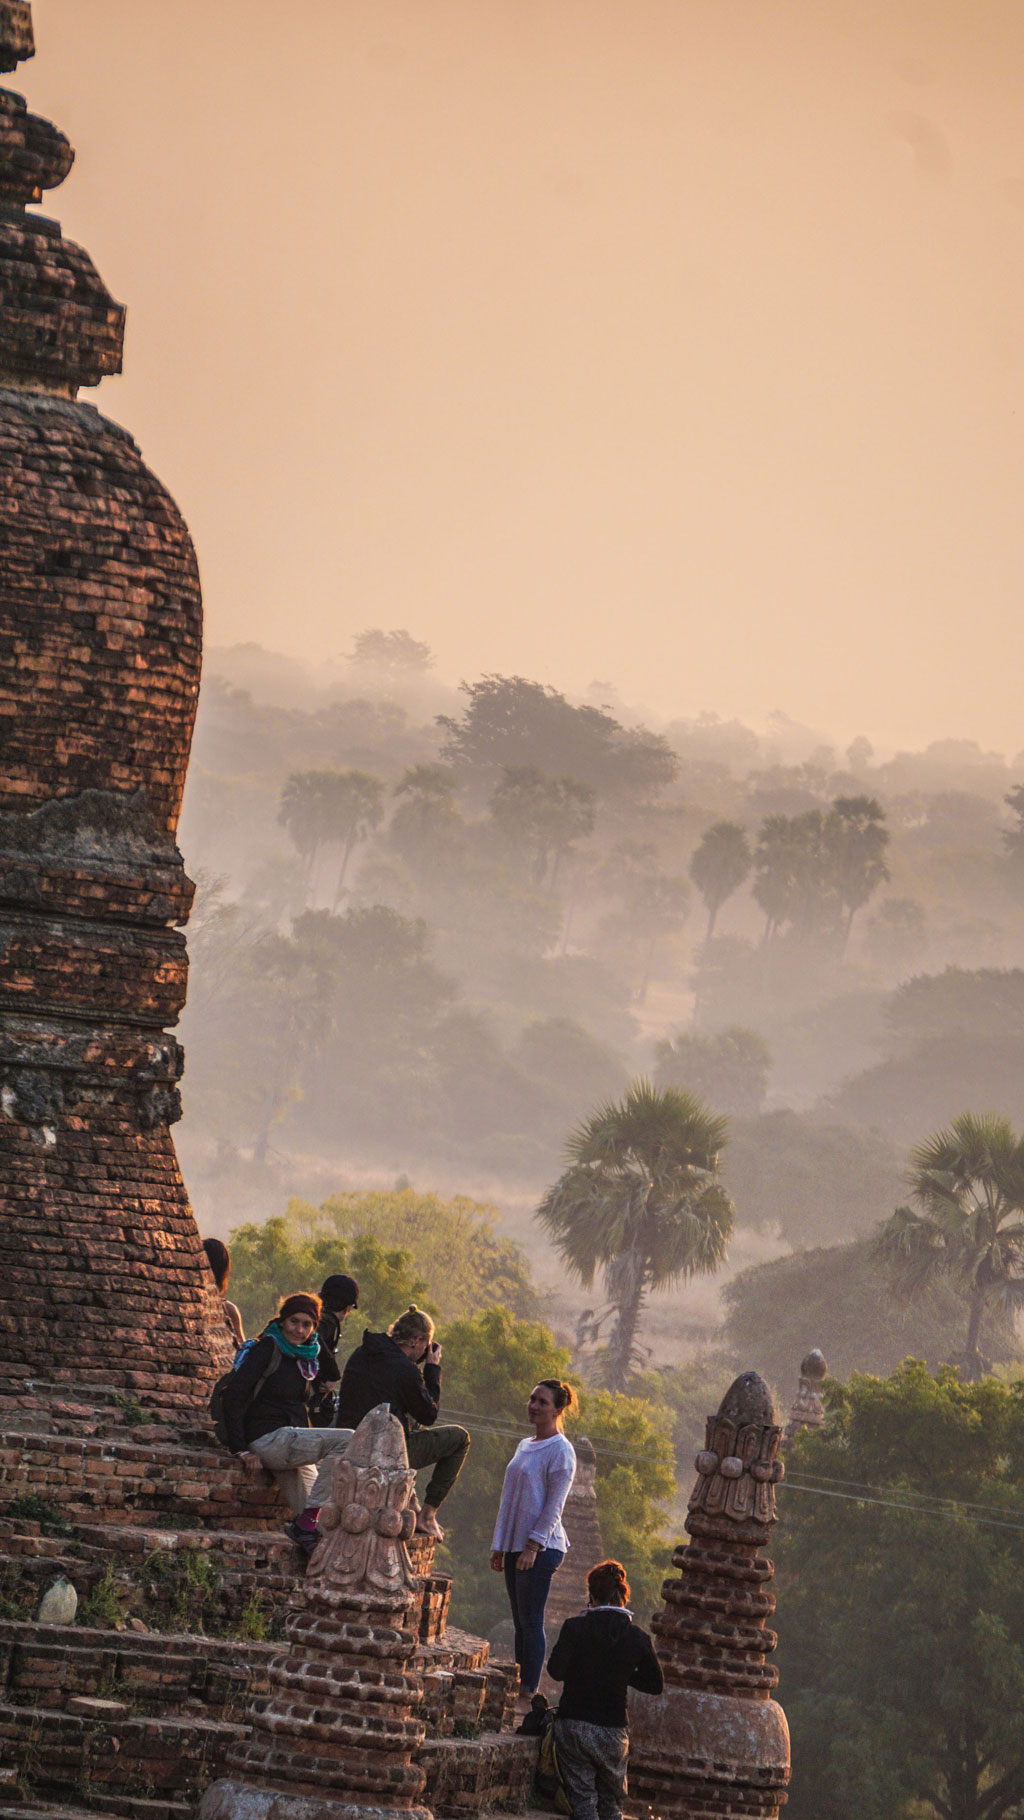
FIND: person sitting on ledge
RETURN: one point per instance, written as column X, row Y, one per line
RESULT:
column 219, row 1259
column 403, row 1369
column 339, row 1294
column 598, row 1657
column 266, row 1412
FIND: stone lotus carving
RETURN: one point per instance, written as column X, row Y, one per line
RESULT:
column 367, row 1522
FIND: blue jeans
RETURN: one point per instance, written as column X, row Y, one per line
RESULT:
column 528, row 1595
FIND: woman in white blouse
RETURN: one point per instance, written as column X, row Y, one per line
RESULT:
column 529, row 1539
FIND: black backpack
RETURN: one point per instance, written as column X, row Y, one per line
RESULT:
column 217, row 1415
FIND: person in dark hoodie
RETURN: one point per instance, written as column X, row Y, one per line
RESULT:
column 339, row 1294
column 403, row 1369
column 598, row 1657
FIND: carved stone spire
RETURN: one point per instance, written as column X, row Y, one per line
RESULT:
column 336, row 1737
column 715, row 1743
column 100, row 627
column 808, row 1411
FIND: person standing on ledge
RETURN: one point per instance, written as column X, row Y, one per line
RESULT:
column 403, row 1369
column 598, row 1657
column 529, row 1536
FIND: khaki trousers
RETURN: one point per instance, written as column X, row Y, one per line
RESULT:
column 301, row 1460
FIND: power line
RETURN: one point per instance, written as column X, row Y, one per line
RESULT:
column 849, row 1497
column 854, row 1492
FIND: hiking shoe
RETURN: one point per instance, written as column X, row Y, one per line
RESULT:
column 306, row 1539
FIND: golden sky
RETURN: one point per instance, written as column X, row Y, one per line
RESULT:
column 676, row 343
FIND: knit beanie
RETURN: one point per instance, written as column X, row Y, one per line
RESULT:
column 299, row 1304
column 340, row 1292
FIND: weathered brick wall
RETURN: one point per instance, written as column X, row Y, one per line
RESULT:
column 118, row 1481
column 100, row 626
column 104, row 1274
column 100, row 636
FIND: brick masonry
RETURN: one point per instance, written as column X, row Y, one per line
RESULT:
column 100, row 643
column 715, row 1745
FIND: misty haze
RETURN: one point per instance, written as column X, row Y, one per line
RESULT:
column 599, row 428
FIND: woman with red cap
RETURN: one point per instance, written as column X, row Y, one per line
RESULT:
column 266, row 1410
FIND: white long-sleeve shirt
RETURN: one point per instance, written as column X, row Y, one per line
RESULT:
column 537, row 1482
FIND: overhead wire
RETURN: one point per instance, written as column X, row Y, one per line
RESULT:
column 853, row 1491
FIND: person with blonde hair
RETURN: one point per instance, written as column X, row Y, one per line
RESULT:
column 402, row 1368
column 599, row 1656
column 529, row 1536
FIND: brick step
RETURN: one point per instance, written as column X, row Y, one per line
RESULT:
column 231, row 1583
column 115, row 1808
column 110, row 1752
column 490, row 1773
column 467, row 1699
column 46, row 1666
column 133, row 1481
column 46, row 1405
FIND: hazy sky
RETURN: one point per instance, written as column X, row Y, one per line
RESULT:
column 676, row 343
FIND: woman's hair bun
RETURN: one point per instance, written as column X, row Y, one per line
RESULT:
column 607, row 1583
column 563, row 1395
column 412, row 1325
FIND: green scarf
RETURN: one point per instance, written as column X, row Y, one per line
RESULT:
column 310, row 1349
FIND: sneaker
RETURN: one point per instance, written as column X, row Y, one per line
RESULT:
column 306, row 1539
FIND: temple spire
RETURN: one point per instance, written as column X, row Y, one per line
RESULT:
column 59, row 326
column 17, row 43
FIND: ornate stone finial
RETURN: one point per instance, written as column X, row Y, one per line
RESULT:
column 336, row 1737
column 808, row 1411
column 737, row 1469
column 367, row 1523
column 16, row 41
column 715, row 1741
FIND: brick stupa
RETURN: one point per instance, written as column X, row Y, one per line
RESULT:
column 336, row 1738
column 100, row 622
column 715, row 1745
column 808, row 1409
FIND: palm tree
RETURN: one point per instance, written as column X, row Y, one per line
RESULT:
column 353, row 806
column 642, row 1200
column 857, row 837
column 303, row 811
column 720, row 865
column 968, row 1182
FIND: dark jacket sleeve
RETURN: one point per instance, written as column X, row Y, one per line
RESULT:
column 421, row 1392
column 328, row 1369
column 560, row 1659
column 646, row 1675
column 240, row 1388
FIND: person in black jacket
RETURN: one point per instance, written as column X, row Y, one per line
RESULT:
column 598, row 1657
column 266, row 1412
column 339, row 1294
column 403, row 1368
